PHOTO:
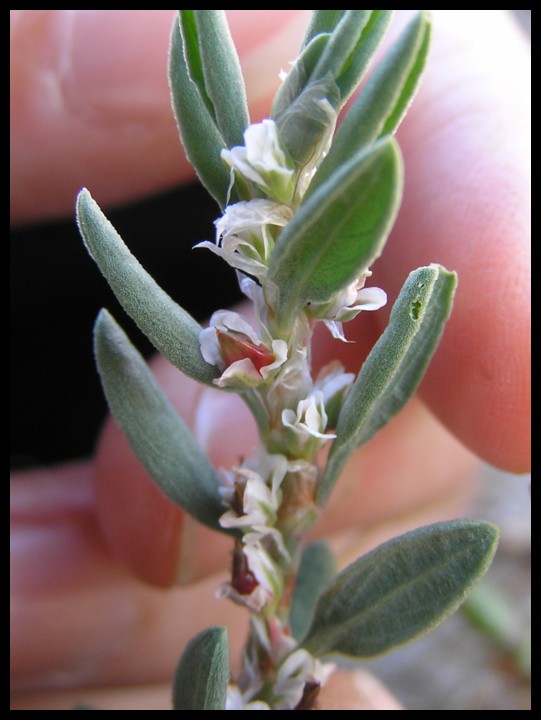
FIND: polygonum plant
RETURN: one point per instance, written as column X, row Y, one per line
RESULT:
column 306, row 210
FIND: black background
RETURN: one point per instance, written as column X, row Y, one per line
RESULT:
column 57, row 406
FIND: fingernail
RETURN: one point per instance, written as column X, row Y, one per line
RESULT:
column 115, row 61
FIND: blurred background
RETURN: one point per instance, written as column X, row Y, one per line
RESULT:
column 57, row 408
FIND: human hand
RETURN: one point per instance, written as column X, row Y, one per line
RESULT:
column 81, row 617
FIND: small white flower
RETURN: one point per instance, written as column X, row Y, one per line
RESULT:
column 347, row 304
column 334, row 383
column 257, row 484
column 261, row 565
column 307, row 424
column 256, row 579
column 298, row 669
column 231, row 344
column 259, row 506
column 264, row 161
column 243, row 235
column 310, row 418
column 254, row 498
column 332, row 380
column 256, row 599
column 295, row 381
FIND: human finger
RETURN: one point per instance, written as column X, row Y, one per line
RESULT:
column 84, row 630
column 466, row 205
column 345, row 690
column 78, row 617
column 90, row 103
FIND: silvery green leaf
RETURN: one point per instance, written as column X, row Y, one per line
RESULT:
column 393, row 369
column 384, row 99
column 201, row 136
column 202, row 675
column 158, row 436
column 316, row 570
column 297, row 77
column 214, row 67
column 401, row 590
column 170, row 328
column 307, row 124
column 321, row 21
column 305, row 112
column 338, row 232
column 352, row 44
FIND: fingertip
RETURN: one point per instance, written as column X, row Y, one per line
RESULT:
column 467, row 206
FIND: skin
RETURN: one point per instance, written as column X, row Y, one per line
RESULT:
column 92, row 604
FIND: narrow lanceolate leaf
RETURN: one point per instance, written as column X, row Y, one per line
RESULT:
column 305, row 112
column 401, row 590
column 321, row 21
column 202, row 674
column 337, row 232
column 158, row 436
column 351, row 47
column 393, row 369
column 199, row 132
column 214, row 67
column 316, row 570
column 384, row 99
column 170, row 328
column 297, row 78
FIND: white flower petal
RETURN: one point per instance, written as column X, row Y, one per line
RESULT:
column 264, row 161
column 332, row 380
column 263, row 568
column 256, row 600
column 236, row 700
column 241, row 373
column 210, row 350
column 336, row 330
column 236, row 259
column 228, row 320
column 296, row 670
column 310, row 418
column 372, row 298
column 279, row 349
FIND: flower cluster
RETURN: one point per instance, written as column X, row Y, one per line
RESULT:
column 347, row 304
column 253, row 496
column 270, row 498
column 234, row 347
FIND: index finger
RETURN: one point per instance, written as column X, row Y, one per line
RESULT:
column 90, row 101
